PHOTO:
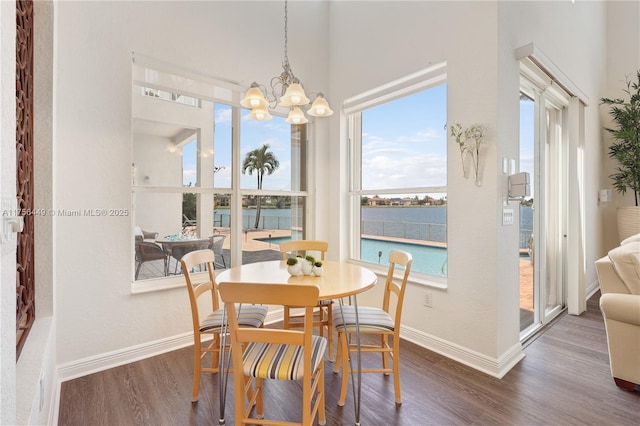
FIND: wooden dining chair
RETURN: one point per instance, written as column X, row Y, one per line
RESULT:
column 323, row 314
column 383, row 322
column 210, row 324
column 271, row 353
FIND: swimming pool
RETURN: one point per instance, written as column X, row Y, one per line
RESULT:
column 428, row 260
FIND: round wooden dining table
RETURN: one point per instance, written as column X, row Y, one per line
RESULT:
column 338, row 280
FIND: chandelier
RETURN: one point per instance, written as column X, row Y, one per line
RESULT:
column 287, row 92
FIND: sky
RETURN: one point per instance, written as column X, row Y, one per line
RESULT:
column 404, row 142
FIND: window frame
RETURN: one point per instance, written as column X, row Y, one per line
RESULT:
column 353, row 107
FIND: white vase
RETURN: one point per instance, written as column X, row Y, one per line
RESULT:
column 306, row 266
column 295, row 270
column 628, row 221
column 317, row 270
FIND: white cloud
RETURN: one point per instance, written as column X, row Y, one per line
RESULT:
column 223, row 116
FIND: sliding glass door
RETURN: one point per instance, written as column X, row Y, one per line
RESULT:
column 542, row 215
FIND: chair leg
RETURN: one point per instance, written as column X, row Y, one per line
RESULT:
column 338, row 363
column 344, row 349
column 287, row 318
column 330, row 332
column 384, row 342
column 396, row 369
column 239, row 395
column 259, row 399
column 215, row 355
column 138, row 269
column 196, row 369
column 306, row 400
column 322, row 418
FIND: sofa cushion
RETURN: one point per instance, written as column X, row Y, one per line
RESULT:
column 626, row 262
column 631, row 239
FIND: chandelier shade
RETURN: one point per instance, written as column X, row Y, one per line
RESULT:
column 320, row 107
column 254, row 98
column 286, row 91
column 296, row 116
column 260, row 114
column 294, row 96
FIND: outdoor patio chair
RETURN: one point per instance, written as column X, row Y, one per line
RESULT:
column 215, row 243
column 146, row 251
column 142, row 235
column 186, row 222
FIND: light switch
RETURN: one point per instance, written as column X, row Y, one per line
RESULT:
column 507, row 217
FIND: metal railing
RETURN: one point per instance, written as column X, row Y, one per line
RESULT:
column 248, row 221
column 408, row 230
column 525, row 236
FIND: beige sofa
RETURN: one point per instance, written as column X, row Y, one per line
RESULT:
column 619, row 278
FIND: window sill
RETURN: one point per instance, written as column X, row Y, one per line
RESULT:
column 424, row 280
column 158, row 284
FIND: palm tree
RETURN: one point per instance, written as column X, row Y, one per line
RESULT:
column 261, row 161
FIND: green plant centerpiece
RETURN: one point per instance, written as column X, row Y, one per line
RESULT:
column 317, row 269
column 304, row 265
column 293, row 266
column 625, row 150
column 307, row 264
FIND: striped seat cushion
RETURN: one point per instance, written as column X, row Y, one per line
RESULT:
column 279, row 361
column 250, row 316
column 372, row 320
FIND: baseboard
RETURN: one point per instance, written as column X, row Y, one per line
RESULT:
column 592, row 289
column 491, row 366
column 105, row 361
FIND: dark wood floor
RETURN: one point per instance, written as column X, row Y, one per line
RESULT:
column 564, row 380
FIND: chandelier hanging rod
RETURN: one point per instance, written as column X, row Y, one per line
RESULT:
column 286, row 91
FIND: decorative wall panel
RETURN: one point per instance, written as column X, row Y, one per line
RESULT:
column 25, row 286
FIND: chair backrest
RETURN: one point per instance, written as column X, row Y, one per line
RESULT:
column 233, row 294
column 405, row 260
column 197, row 289
column 297, row 246
column 216, row 242
column 146, row 250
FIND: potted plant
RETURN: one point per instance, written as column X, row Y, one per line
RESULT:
column 625, row 149
column 293, row 266
column 307, row 264
column 317, row 269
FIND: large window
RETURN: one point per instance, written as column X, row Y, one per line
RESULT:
column 206, row 176
column 399, row 171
